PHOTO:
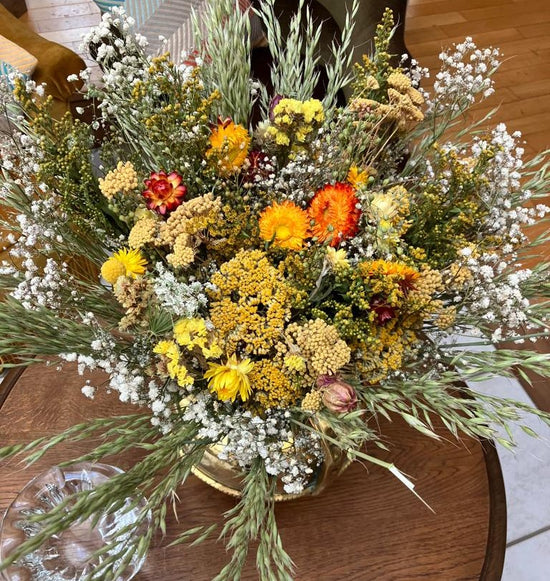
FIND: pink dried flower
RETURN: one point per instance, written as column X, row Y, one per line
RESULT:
column 338, row 396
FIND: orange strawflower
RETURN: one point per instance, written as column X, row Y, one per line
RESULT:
column 229, row 145
column 335, row 213
column 285, row 224
column 405, row 276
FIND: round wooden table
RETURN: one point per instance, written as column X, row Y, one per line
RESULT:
column 367, row 526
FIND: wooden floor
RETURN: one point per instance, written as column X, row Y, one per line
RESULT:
column 520, row 28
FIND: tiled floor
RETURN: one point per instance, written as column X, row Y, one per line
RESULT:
column 526, row 477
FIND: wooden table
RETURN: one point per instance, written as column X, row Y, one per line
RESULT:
column 367, row 526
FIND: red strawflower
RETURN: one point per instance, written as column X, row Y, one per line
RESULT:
column 164, row 192
column 335, row 213
column 383, row 311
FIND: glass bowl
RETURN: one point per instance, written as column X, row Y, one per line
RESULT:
column 69, row 555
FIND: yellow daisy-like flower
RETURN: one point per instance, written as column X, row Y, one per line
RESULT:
column 125, row 262
column 230, row 379
column 285, row 224
column 229, row 145
column 384, row 207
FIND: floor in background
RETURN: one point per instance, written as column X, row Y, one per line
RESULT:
column 526, row 475
column 521, row 28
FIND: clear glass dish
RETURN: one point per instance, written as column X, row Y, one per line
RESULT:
column 68, row 556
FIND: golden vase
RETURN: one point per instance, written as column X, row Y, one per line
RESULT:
column 226, row 476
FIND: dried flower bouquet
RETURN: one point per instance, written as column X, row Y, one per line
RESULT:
column 246, row 284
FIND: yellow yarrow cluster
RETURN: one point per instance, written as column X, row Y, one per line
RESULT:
column 446, row 318
column 313, row 401
column 122, row 179
column 457, row 276
column 181, row 230
column 272, row 387
column 404, row 97
column 294, row 121
column 385, row 351
column 428, row 284
column 320, row 345
column 251, row 303
column 363, row 107
column 400, row 102
column 191, row 217
column 182, row 254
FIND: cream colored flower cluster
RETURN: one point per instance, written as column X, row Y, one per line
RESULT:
column 180, row 232
column 122, row 179
column 320, row 345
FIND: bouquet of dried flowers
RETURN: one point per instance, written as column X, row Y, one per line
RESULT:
column 249, row 284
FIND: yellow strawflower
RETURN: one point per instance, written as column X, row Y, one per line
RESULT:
column 295, row 363
column 229, row 145
column 357, row 177
column 125, row 262
column 337, row 258
column 227, row 380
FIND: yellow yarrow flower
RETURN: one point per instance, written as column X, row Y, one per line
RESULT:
column 125, row 262
column 227, row 380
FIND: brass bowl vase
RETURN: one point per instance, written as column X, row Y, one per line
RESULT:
column 226, row 476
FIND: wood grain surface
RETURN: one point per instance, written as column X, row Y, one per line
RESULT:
column 367, row 526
